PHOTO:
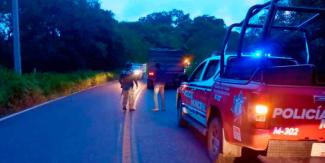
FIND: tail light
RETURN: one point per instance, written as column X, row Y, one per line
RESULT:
column 260, row 115
column 151, row 73
column 260, row 112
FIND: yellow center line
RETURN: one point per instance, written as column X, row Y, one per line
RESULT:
column 126, row 146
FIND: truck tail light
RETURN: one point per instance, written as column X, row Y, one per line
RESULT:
column 260, row 115
column 261, row 110
column 151, row 73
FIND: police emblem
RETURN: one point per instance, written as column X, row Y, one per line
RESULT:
column 237, row 107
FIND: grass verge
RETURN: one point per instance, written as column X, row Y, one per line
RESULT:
column 19, row 92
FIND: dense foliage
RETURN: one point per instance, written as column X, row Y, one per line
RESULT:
column 68, row 35
column 61, row 35
column 317, row 36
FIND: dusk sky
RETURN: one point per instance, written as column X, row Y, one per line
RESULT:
column 131, row 10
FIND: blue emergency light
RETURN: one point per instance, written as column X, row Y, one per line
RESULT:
column 260, row 53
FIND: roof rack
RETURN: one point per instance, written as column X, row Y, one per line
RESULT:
column 272, row 7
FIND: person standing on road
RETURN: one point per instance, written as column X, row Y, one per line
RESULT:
column 159, row 87
column 127, row 81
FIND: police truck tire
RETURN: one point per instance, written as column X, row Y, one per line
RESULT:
column 180, row 114
column 214, row 139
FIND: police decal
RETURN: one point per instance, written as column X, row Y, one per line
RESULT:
column 236, row 133
column 322, row 124
column 188, row 94
column 295, row 113
column 286, row 131
column 218, row 97
column 238, row 102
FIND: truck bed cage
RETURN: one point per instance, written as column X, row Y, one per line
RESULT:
column 272, row 7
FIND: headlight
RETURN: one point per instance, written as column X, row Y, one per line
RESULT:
column 137, row 72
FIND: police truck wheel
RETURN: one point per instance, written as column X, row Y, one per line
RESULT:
column 180, row 114
column 214, row 139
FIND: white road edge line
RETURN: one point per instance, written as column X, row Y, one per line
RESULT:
column 47, row 102
column 126, row 144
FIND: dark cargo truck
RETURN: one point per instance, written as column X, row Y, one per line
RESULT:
column 170, row 61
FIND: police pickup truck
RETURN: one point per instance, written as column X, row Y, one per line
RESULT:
column 256, row 100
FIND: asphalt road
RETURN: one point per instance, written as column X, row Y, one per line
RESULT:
column 158, row 137
column 91, row 127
